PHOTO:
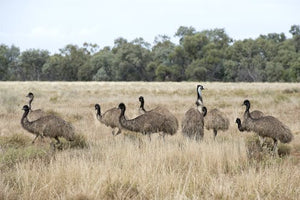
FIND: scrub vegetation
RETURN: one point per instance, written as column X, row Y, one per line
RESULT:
column 98, row 165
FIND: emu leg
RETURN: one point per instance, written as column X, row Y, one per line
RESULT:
column 35, row 138
column 149, row 136
column 58, row 142
column 262, row 140
column 162, row 134
column 215, row 133
column 118, row 132
column 275, row 149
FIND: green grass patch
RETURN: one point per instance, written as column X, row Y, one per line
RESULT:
column 14, row 141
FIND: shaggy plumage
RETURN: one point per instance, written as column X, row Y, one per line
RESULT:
column 257, row 114
column 254, row 114
column 193, row 123
column 34, row 114
column 170, row 118
column 216, row 120
column 109, row 118
column 150, row 122
column 266, row 126
column 48, row 126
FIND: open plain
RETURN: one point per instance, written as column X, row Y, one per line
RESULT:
column 129, row 166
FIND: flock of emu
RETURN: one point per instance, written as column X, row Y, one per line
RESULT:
column 160, row 120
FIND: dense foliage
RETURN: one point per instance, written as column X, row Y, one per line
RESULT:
column 208, row 55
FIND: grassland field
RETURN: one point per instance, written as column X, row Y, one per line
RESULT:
column 129, row 166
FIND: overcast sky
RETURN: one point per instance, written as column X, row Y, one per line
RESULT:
column 52, row 24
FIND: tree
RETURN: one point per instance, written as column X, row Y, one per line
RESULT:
column 8, row 62
column 295, row 70
column 131, row 61
column 73, row 58
column 103, row 65
column 31, row 63
column 196, row 71
column 274, row 72
column 160, row 54
column 218, row 37
column 193, row 45
column 295, row 31
column 183, row 31
column 52, row 70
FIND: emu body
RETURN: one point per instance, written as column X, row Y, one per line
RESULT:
column 216, row 120
column 109, row 118
column 193, row 123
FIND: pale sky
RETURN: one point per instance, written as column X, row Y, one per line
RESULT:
column 52, row 24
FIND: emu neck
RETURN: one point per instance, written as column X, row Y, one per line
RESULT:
column 128, row 124
column 204, row 112
column 199, row 97
column 29, row 103
column 247, row 108
column 25, row 123
column 249, row 122
column 199, row 108
column 240, row 126
column 98, row 114
column 142, row 107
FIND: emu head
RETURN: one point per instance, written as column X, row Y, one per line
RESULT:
column 122, row 107
column 141, row 99
column 97, row 106
column 239, row 123
column 98, row 109
column 30, row 95
column 200, row 87
column 26, row 108
column 247, row 104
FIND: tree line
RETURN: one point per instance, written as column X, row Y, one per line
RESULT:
column 207, row 55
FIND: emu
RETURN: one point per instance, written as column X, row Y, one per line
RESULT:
column 161, row 110
column 47, row 126
column 266, row 126
column 109, row 118
column 148, row 123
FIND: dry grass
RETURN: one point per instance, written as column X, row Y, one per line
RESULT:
column 128, row 166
